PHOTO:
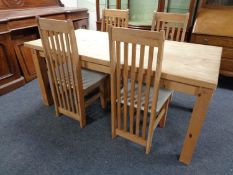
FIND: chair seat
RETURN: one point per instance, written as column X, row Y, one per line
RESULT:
column 163, row 96
column 90, row 79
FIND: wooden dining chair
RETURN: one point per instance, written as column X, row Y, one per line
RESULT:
column 71, row 86
column 114, row 17
column 138, row 104
column 174, row 25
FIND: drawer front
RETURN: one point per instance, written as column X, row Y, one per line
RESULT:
column 227, row 53
column 77, row 15
column 226, row 65
column 23, row 23
column 212, row 40
column 59, row 17
column 29, row 22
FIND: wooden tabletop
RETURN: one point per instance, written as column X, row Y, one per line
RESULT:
column 214, row 21
column 192, row 64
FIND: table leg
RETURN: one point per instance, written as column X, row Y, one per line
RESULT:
column 197, row 119
column 113, row 106
column 42, row 77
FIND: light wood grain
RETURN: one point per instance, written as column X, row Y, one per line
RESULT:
column 114, row 17
column 187, row 63
column 174, row 24
column 218, row 17
column 214, row 26
column 130, row 90
column 69, row 84
column 186, row 68
column 198, row 116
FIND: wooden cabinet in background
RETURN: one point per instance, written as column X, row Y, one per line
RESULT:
column 141, row 12
column 23, row 54
column 17, row 25
column 214, row 26
column 10, row 76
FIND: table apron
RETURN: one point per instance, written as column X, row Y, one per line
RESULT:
column 182, row 87
column 166, row 83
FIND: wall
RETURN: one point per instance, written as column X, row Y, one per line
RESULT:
column 70, row 3
column 89, row 4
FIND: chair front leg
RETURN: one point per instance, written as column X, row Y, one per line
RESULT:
column 150, row 136
column 164, row 118
column 102, row 89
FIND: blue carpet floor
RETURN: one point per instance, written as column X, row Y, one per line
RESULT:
column 34, row 141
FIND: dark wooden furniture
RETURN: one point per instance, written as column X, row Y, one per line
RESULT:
column 214, row 26
column 17, row 25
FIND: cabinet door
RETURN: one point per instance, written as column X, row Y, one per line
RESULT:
column 141, row 12
column 124, row 4
column 10, row 77
column 24, row 54
column 5, row 68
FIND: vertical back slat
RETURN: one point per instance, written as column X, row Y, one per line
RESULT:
column 163, row 24
column 77, row 75
column 67, row 40
column 132, row 86
column 55, row 59
column 140, row 84
column 123, row 22
column 118, row 79
column 173, row 32
column 158, row 25
column 167, row 32
column 66, row 71
column 178, row 33
column 118, row 21
column 61, row 70
column 107, row 23
column 147, row 90
column 125, row 77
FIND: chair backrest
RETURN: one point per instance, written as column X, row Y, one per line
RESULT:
column 64, row 68
column 114, row 17
column 136, row 59
column 174, row 24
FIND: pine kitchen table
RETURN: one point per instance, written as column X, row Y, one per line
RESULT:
column 188, row 68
